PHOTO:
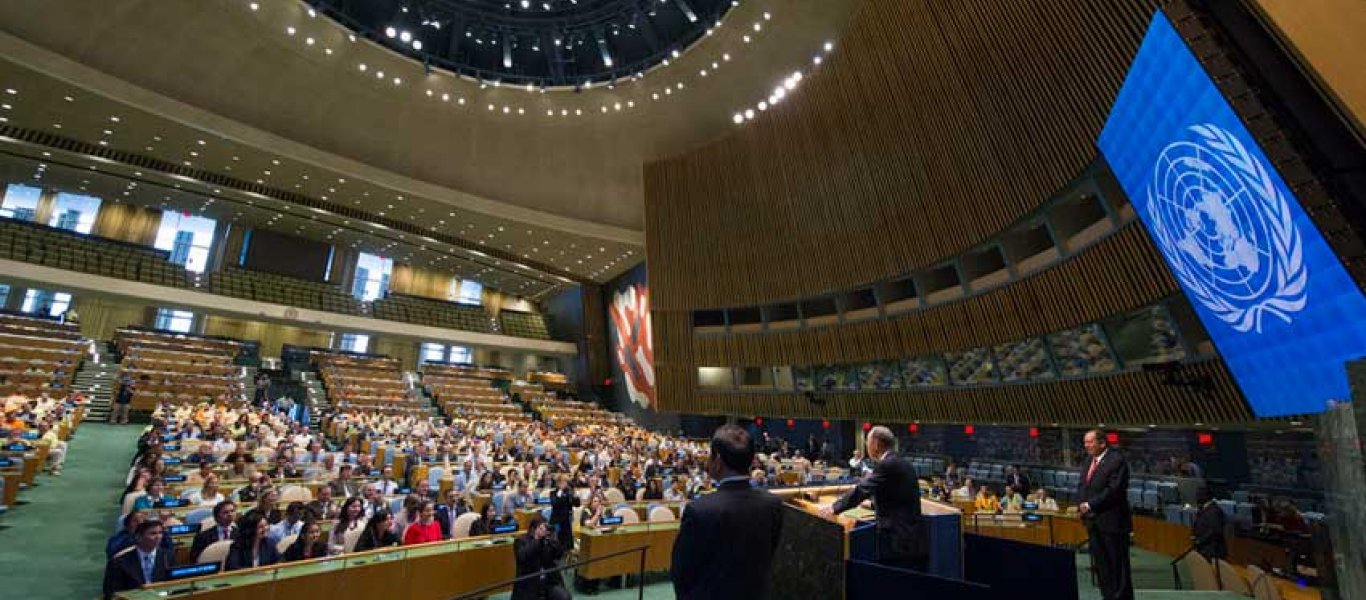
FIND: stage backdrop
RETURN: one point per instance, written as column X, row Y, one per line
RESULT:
column 1276, row 300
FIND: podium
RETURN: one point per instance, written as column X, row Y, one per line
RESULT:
column 814, row 552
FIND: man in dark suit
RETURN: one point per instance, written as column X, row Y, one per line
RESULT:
column 902, row 533
column 1017, row 480
column 145, row 562
column 727, row 539
column 446, row 513
column 224, row 513
column 536, row 551
column 1104, row 508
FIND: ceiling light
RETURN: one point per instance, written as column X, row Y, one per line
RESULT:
column 829, row 46
column 362, row 67
column 738, row 118
column 114, row 119
column 11, row 91
column 289, row 30
column 749, row 113
column 405, row 37
column 254, row 6
column 417, row 44
column 390, row 31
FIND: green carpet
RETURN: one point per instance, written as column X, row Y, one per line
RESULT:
column 53, row 546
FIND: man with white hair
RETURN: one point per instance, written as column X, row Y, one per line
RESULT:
column 902, row 533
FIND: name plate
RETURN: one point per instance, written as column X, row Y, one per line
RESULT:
column 170, row 460
column 16, row 448
column 173, row 478
column 171, row 447
column 185, row 529
column 543, row 500
column 193, row 571
column 611, row 521
column 509, row 528
column 171, row 503
column 1031, row 517
column 1030, row 506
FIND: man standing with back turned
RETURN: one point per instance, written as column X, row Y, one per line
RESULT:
column 902, row 533
column 727, row 539
column 1104, row 508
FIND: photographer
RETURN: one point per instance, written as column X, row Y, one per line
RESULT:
column 536, row 551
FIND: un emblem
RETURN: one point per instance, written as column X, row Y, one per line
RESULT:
column 1227, row 230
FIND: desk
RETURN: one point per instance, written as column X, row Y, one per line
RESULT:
column 432, row 571
column 658, row 536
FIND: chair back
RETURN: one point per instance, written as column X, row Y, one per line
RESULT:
column 1230, row 578
column 628, row 515
column 661, row 513
column 461, row 528
column 216, row 552
column 614, row 496
column 640, row 494
column 1201, row 572
column 295, row 493
column 198, row 515
column 1263, row 588
column 285, row 543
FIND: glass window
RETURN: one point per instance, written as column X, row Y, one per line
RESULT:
column 471, row 292
column 1080, row 351
column 354, row 342
column 21, row 202
column 1144, row 336
column 170, row 319
column 45, row 303
column 74, row 212
column 187, row 238
column 4, row 294
column 433, row 353
column 372, row 277
column 971, row 366
column 1024, row 360
column 461, row 354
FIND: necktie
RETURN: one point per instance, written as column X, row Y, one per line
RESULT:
column 222, row 533
column 147, row 568
column 1092, row 471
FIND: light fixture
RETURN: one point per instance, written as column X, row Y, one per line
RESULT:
column 390, row 31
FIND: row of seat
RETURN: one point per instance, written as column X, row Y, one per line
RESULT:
column 278, row 289
column 52, row 247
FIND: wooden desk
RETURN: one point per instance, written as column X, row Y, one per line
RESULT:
column 659, row 537
column 434, row 571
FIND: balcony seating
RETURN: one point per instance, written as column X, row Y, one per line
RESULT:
column 524, row 325
column 278, row 289
column 433, row 313
column 58, row 248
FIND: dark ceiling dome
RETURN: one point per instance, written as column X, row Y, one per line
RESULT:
column 543, row 43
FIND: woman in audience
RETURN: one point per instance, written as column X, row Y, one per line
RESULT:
column 250, row 548
column 485, row 481
column 594, row 514
column 987, row 502
column 1012, row 501
column 408, row 514
column 350, row 518
column 207, row 494
column 425, row 529
column 484, row 524
column 156, row 492
column 308, row 545
column 653, row 490
column 378, row 532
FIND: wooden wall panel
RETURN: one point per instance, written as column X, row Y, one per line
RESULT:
column 931, row 127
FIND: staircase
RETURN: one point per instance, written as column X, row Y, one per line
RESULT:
column 97, row 381
column 248, row 377
column 316, row 396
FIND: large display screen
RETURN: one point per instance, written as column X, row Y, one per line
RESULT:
column 1277, row 302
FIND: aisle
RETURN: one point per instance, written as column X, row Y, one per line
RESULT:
column 54, row 545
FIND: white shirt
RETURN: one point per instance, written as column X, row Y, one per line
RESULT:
column 146, row 558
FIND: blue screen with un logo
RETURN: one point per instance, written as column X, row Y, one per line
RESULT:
column 1274, row 297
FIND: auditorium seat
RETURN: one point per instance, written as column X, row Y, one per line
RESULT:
column 628, row 515
column 63, row 249
column 1201, row 572
column 433, row 313
column 279, row 289
column 1263, row 588
column 461, row 529
column 521, row 324
column 216, row 552
column 1230, row 579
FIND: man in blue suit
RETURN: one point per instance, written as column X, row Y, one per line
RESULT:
column 145, row 562
column 727, row 539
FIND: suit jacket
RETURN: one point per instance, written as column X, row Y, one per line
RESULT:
column 325, row 513
column 344, row 490
column 125, row 572
column 204, row 539
column 901, row 530
column 446, row 514
column 1020, row 482
column 726, row 542
column 562, row 505
column 1208, row 532
column 239, row 556
column 1106, row 493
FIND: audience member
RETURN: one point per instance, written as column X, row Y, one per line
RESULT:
column 538, row 551
column 222, row 528
column 378, row 532
column 147, row 561
column 308, row 545
column 250, row 546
